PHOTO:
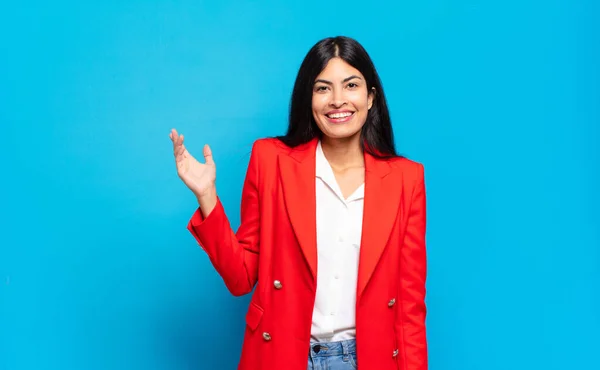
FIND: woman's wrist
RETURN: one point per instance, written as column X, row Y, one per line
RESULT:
column 207, row 201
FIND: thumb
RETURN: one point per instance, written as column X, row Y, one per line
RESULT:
column 208, row 155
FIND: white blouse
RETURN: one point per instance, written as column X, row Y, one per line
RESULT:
column 339, row 228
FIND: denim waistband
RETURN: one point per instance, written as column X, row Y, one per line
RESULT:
column 343, row 347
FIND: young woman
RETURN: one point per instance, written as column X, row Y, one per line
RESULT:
column 332, row 233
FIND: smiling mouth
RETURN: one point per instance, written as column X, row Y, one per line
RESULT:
column 339, row 117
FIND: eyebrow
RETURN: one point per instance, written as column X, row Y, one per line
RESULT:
column 345, row 80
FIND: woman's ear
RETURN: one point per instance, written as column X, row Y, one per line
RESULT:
column 371, row 97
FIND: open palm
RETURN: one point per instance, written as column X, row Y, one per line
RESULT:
column 198, row 177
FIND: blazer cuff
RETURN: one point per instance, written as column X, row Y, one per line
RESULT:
column 201, row 226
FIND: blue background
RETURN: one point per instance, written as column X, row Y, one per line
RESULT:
column 500, row 101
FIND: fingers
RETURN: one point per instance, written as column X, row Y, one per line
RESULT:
column 181, row 148
column 177, row 144
column 208, row 155
column 173, row 135
column 180, row 152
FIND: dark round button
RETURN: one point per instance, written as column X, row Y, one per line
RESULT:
column 317, row 348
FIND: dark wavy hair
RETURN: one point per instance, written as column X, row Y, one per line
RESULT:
column 377, row 137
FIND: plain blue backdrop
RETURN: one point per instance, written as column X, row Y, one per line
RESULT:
column 499, row 100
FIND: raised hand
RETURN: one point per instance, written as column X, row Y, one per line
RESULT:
column 198, row 177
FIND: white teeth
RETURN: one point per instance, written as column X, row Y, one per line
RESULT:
column 339, row 115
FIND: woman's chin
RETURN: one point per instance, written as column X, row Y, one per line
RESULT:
column 341, row 133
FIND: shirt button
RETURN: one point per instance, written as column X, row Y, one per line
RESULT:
column 392, row 302
column 266, row 336
column 340, row 239
column 336, row 276
column 277, row 284
column 395, row 353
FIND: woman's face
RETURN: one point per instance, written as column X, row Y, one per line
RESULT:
column 340, row 100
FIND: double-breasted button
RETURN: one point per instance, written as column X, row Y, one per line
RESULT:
column 277, row 284
column 395, row 353
column 392, row 302
column 266, row 336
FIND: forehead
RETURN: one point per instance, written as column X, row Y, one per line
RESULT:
column 338, row 69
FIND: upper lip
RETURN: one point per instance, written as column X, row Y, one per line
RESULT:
column 339, row 111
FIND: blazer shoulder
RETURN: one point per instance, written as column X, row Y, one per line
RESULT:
column 265, row 152
column 268, row 146
column 411, row 169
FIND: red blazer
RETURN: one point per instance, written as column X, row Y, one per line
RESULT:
column 275, row 248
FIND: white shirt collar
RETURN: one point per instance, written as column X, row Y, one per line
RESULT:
column 324, row 172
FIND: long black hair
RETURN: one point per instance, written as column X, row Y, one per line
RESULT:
column 377, row 137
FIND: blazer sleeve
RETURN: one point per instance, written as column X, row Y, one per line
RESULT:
column 233, row 254
column 410, row 314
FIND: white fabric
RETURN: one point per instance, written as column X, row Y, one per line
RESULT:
column 339, row 229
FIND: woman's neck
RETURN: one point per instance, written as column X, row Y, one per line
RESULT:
column 343, row 153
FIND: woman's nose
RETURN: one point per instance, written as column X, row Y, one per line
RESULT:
column 337, row 99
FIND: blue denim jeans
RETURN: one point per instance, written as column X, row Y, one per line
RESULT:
column 333, row 355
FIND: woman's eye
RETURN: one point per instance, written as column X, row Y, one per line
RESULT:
column 321, row 88
column 352, row 85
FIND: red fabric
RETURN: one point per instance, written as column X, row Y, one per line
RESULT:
column 277, row 241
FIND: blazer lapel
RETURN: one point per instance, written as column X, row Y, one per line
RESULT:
column 297, row 170
column 381, row 203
